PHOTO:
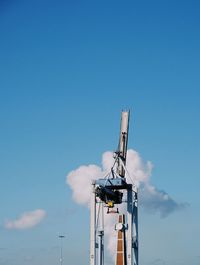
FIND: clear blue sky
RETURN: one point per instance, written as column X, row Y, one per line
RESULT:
column 67, row 69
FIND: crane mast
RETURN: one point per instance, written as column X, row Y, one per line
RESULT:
column 110, row 192
column 123, row 141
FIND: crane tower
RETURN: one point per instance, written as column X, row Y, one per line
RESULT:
column 111, row 192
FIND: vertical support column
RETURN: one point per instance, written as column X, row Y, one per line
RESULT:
column 93, row 227
column 130, row 225
column 135, row 229
column 121, row 241
column 101, row 235
column 100, row 256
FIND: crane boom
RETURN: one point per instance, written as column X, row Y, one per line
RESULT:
column 123, row 141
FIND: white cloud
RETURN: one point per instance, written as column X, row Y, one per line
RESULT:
column 151, row 198
column 26, row 220
column 80, row 182
column 139, row 172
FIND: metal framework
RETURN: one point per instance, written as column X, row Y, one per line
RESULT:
column 109, row 192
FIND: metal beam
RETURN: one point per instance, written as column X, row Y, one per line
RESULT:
column 93, row 227
column 129, row 226
column 123, row 141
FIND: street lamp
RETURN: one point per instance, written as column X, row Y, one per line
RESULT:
column 61, row 248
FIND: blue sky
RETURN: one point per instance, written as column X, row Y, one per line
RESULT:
column 67, row 69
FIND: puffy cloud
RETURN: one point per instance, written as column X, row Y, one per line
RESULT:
column 155, row 200
column 80, row 182
column 138, row 173
column 26, row 220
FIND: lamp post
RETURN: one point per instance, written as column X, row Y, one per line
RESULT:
column 61, row 248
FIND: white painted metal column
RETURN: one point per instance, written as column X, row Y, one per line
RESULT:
column 130, row 225
column 93, row 227
column 101, row 235
column 135, row 229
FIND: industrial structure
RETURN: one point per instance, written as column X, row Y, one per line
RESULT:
column 111, row 192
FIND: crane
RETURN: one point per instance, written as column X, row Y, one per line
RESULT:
column 110, row 192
